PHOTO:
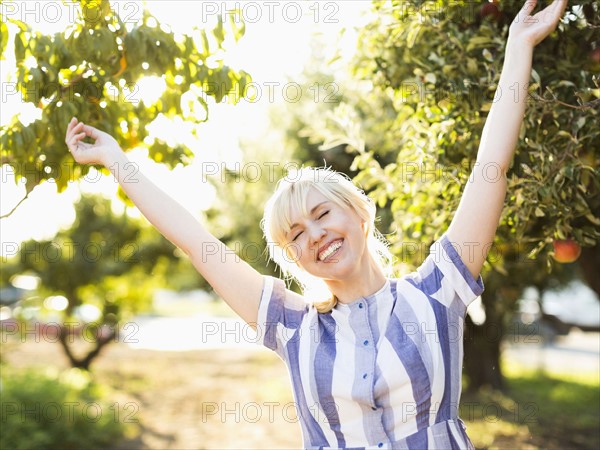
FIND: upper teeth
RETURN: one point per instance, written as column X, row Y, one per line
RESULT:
column 329, row 250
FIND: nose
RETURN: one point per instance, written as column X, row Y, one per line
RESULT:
column 316, row 233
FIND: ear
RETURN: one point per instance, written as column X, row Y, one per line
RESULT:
column 364, row 226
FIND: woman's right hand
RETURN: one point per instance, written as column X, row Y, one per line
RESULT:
column 97, row 153
column 217, row 263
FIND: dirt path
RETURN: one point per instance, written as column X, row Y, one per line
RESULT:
column 205, row 399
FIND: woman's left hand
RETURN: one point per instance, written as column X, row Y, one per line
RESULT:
column 532, row 29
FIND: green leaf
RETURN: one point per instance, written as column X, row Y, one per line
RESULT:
column 595, row 220
column 218, row 31
column 487, row 55
column 536, row 77
column 3, row 36
column 238, row 25
column 478, row 41
column 20, row 47
column 205, row 43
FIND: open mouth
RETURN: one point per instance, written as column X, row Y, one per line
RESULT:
column 330, row 250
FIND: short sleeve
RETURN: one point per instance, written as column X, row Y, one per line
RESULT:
column 280, row 314
column 445, row 274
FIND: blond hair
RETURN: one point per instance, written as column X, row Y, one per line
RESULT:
column 290, row 195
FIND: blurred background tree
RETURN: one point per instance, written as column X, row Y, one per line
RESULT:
column 422, row 82
column 243, row 188
column 93, row 277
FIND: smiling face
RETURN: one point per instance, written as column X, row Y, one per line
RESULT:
column 319, row 228
column 326, row 239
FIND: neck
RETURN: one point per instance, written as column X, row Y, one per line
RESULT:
column 368, row 282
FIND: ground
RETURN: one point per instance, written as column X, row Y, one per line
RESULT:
column 241, row 398
column 205, row 399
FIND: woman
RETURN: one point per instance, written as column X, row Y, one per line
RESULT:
column 379, row 363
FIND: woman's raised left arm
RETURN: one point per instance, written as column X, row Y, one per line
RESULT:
column 474, row 225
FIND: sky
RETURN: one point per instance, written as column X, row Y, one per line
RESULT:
column 274, row 50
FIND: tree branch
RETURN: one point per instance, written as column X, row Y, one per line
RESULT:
column 4, row 216
column 62, row 335
column 585, row 105
column 100, row 343
column 84, row 362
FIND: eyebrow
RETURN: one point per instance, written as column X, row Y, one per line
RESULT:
column 314, row 208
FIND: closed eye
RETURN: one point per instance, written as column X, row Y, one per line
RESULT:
column 318, row 218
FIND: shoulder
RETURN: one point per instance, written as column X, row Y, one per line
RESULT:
column 444, row 276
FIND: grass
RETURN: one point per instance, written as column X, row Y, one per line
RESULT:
column 210, row 399
column 539, row 410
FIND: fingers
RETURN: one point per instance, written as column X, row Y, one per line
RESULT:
column 556, row 8
column 551, row 14
column 70, row 127
column 79, row 136
column 73, row 143
column 74, row 134
column 535, row 28
column 72, row 123
column 528, row 7
column 78, row 130
column 92, row 132
column 524, row 15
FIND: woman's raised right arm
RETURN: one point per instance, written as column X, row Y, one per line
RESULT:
column 234, row 280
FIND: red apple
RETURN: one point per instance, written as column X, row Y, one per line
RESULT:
column 490, row 9
column 566, row 251
column 595, row 55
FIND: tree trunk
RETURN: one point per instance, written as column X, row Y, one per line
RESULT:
column 589, row 261
column 482, row 350
column 84, row 362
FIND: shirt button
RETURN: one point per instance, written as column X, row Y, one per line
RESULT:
column 366, row 342
column 360, row 305
column 364, row 376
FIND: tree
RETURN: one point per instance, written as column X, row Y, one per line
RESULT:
column 424, row 78
column 100, row 264
column 243, row 190
column 91, row 70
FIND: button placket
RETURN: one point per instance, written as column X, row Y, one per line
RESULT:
column 366, row 329
column 367, row 340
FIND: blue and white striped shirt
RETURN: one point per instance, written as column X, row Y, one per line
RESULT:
column 385, row 370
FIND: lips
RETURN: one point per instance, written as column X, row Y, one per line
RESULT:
column 329, row 249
